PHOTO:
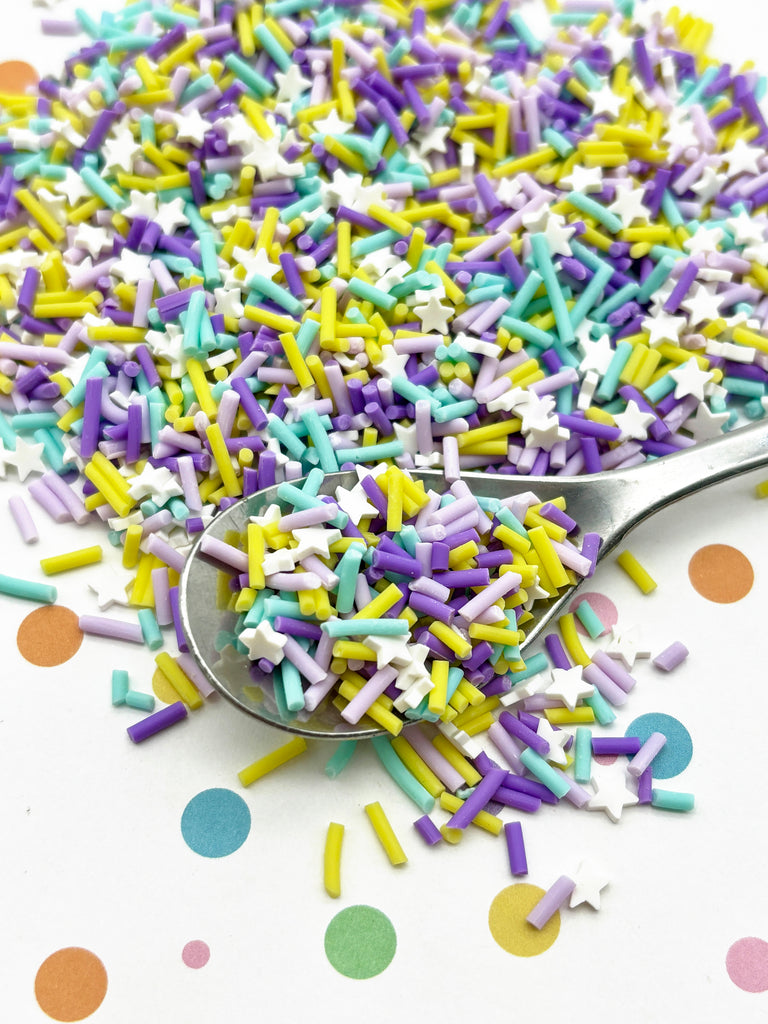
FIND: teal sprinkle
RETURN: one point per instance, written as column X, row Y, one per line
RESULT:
column 412, row 788
column 342, row 755
column 603, row 711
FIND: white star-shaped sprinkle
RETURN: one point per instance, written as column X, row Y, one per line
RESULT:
column 132, row 267
column 171, row 216
column 26, row 457
column 611, row 793
column 743, row 158
column 709, row 185
column 690, row 379
column 257, row 262
column 568, row 685
column 702, row 303
column 333, row 125
column 626, row 645
column 596, row 355
column 605, row 101
column 557, row 234
column 72, row 186
column 633, row 422
column 110, row 588
column 746, row 230
column 263, row 641
column 663, row 327
column 434, row 316
column 705, row 423
column 557, row 739
column 119, row 151
column 314, row 540
column 291, row 84
column 390, row 650
column 190, row 127
column 142, row 204
column 628, row 204
column 354, row 501
column 156, row 482
column 583, row 179
column 590, row 881
column 703, row 240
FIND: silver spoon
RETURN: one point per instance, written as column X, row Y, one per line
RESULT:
column 610, row 504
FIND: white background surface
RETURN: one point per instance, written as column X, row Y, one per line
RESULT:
column 93, row 856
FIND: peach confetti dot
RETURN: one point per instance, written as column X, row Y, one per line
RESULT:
column 49, row 636
column 16, row 77
column 70, row 984
column 721, row 573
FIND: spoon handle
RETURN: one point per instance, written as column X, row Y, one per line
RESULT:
column 634, row 494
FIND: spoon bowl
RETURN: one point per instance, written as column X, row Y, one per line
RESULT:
column 609, row 504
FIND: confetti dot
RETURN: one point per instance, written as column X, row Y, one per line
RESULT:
column 49, row 636
column 196, row 954
column 70, row 984
column 508, row 925
column 603, row 608
column 215, row 823
column 675, row 756
column 16, row 76
column 747, row 964
column 360, row 942
column 721, row 573
column 605, row 758
column 163, row 690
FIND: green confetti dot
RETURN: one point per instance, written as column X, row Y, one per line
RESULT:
column 360, row 942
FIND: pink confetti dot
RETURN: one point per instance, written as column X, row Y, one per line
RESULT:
column 747, row 964
column 601, row 605
column 605, row 758
column 196, row 954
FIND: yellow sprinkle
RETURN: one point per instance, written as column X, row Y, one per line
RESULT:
column 256, row 549
column 479, row 723
column 131, row 542
column 564, row 716
column 201, row 387
column 571, row 641
column 71, row 560
column 332, row 859
column 548, row 557
column 451, row 638
column 627, row 561
column 456, row 759
column 417, row 766
column 179, row 680
column 296, row 360
column 385, row 833
column 229, row 477
column 46, row 220
column 495, row 634
column 437, row 695
column 273, row 760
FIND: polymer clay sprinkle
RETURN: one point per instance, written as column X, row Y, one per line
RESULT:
column 252, row 243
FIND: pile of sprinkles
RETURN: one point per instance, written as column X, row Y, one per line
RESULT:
column 244, row 244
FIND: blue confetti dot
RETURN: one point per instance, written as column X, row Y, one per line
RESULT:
column 215, row 823
column 675, row 756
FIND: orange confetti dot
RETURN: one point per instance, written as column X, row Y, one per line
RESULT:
column 16, row 77
column 49, row 636
column 71, row 984
column 721, row 573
